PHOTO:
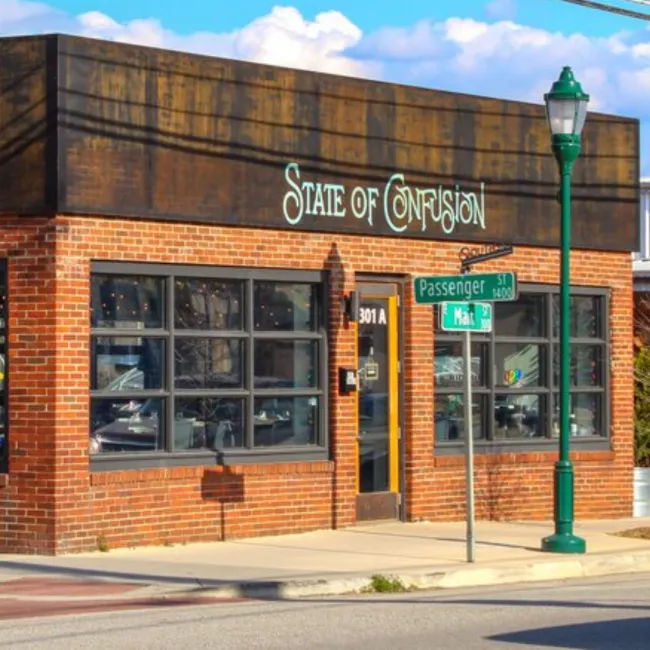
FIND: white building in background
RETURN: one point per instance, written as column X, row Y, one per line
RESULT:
column 641, row 259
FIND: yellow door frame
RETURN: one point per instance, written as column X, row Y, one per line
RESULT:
column 393, row 390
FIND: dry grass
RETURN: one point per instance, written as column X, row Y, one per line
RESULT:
column 635, row 533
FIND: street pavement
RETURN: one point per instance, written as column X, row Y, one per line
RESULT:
column 425, row 555
column 599, row 614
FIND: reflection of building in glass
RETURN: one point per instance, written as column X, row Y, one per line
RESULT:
column 449, row 370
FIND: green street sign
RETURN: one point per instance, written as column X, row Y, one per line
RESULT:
column 484, row 287
column 466, row 317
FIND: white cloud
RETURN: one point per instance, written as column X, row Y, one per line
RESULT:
column 499, row 58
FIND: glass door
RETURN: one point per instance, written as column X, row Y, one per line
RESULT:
column 378, row 409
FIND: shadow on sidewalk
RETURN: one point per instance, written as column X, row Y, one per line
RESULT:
column 191, row 585
column 456, row 540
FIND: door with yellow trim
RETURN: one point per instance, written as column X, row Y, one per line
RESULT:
column 378, row 469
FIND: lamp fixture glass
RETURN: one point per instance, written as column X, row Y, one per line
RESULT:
column 566, row 105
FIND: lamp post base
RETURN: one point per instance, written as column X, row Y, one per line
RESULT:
column 564, row 543
column 563, row 540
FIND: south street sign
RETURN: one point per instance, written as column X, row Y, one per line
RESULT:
column 466, row 317
column 485, row 287
column 471, row 256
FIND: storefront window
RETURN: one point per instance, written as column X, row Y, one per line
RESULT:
column 515, row 370
column 238, row 364
column 4, row 447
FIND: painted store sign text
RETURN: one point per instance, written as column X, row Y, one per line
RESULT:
column 397, row 202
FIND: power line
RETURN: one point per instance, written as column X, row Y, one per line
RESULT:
column 592, row 4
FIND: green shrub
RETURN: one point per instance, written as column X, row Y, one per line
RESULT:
column 642, row 406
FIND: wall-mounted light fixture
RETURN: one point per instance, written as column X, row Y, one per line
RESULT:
column 351, row 306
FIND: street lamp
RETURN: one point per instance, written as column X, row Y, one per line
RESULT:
column 566, row 111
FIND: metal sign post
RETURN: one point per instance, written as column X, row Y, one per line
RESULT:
column 470, row 537
column 459, row 311
column 469, row 443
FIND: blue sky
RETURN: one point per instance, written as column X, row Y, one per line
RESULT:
column 224, row 16
column 502, row 48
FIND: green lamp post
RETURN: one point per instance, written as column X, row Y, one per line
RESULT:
column 566, row 111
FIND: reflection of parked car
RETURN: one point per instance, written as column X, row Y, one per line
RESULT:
column 132, row 424
column 517, row 419
column 124, row 427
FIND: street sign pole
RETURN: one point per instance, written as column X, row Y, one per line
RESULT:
column 469, row 445
column 463, row 308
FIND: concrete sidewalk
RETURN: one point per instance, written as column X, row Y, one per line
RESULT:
column 420, row 555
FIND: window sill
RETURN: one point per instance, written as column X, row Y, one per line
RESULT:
column 521, row 446
column 116, row 462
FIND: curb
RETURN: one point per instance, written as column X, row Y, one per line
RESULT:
column 527, row 572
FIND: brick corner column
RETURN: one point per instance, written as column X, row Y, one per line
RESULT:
column 74, row 525
column 419, row 407
column 343, row 408
column 29, row 502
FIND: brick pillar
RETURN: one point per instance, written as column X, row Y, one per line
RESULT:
column 74, row 529
column 621, row 338
column 418, row 409
column 29, row 502
column 343, row 408
column 43, row 506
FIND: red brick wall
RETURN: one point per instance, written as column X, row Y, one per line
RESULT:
column 50, row 503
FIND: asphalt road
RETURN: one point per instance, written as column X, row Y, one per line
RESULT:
column 599, row 614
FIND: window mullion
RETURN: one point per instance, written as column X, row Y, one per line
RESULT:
column 168, row 424
column 550, row 351
column 491, row 383
column 250, row 365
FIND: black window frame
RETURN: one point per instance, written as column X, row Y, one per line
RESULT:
column 4, row 419
column 167, row 457
column 490, row 444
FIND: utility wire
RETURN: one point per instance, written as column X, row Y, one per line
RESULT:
column 601, row 6
column 639, row 2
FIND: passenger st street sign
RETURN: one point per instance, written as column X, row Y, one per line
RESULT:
column 486, row 287
column 466, row 317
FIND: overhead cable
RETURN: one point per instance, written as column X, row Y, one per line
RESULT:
column 601, row 6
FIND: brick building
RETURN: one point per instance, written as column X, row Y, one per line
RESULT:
column 183, row 243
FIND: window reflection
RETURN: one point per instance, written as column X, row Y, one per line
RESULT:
column 585, row 417
column 519, row 416
column 125, row 425
column 285, row 364
column 126, row 302
column 584, row 316
column 521, row 375
column 448, row 364
column 281, row 306
column 585, row 368
column 225, row 364
column 208, row 363
column 127, row 364
column 208, row 423
column 521, row 318
column 450, row 417
column 201, row 304
column 285, row 421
